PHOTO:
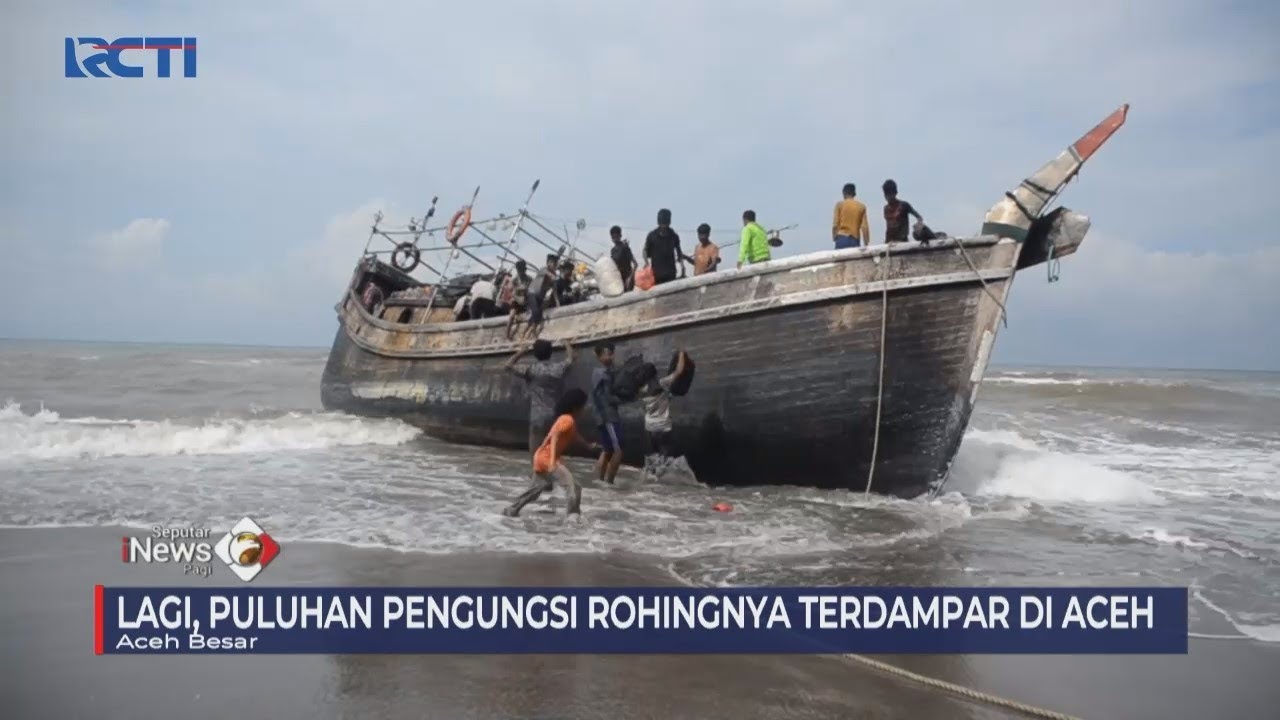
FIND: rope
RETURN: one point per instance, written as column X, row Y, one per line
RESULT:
column 959, row 690
column 1004, row 314
column 1052, row 264
column 884, row 324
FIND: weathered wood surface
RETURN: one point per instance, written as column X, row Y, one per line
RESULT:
column 787, row 357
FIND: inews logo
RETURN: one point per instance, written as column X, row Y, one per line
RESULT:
column 246, row 549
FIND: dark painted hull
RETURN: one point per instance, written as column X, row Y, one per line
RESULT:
column 783, row 396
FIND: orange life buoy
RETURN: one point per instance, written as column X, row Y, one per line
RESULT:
column 455, row 229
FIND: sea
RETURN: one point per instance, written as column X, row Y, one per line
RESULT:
column 1066, row 476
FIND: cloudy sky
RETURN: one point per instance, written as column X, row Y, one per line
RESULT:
column 230, row 207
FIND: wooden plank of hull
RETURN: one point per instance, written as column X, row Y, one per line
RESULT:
column 784, row 393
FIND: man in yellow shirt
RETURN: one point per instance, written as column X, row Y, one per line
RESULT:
column 755, row 243
column 850, row 227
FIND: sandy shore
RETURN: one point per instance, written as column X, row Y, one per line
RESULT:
column 47, row 577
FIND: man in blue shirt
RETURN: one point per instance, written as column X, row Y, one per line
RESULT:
column 605, row 405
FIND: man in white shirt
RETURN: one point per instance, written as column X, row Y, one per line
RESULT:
column 483, row 298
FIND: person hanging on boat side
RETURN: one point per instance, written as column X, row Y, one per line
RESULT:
column 656, row 398
column 850, row 227
column 541, row 289
column 897, row 214
column 604, row 403
column 544, row 379
column 548, row 460
column 755, row 242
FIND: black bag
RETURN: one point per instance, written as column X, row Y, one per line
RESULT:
column 682, row 383
column 627, row 381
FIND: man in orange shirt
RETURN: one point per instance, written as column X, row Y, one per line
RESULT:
column 850, row 227
column 547, row 464
column 706, row 255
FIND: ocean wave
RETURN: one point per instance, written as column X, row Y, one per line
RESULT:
column 1268, row 633
column 1138, row 389
column 1164, row 537
column 1004, row 463
column 44, row 435
column 243, row 362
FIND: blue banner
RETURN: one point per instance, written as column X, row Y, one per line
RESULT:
column 488, row 620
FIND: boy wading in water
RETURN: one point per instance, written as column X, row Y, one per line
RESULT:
column 547, row 461
column 656, row 397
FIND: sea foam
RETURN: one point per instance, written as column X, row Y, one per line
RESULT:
column 45, row 435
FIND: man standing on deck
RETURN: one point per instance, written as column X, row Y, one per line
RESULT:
column 706, row 254
column 755, row 243
column 623, row 258
column 850, row 227
column 896, row 213
column 662, row 249
column 605, row 405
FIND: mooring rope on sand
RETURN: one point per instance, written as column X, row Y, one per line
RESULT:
column 884, row 667
column 960, row 690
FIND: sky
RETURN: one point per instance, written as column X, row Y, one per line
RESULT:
column 231, row 207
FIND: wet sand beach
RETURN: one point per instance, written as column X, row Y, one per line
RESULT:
column 46, row 620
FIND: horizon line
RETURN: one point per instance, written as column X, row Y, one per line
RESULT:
column 323, row 347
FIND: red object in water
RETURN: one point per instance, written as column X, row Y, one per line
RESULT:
column 722, row 507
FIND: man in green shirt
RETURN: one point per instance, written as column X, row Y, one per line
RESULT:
column 755, row 244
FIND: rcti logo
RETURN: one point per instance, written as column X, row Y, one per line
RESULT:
column 246, row 549
column 109, row 55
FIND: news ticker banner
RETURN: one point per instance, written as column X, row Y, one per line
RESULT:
column 489, row 620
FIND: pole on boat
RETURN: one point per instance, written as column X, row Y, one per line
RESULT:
column 494, row 243
column 509, row 249
column 431, row 301
column 377, row 218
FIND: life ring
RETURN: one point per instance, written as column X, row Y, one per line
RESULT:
column 406, row 256
column 454, row 233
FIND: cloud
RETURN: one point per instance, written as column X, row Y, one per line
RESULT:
column 268, row 160
column 1120, row 303
column 135, row 245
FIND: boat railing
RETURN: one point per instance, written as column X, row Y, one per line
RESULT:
column 437, row 247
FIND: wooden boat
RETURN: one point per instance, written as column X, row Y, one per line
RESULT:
column 854, row 368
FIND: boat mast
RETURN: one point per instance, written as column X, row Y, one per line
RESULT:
column 1013, row 215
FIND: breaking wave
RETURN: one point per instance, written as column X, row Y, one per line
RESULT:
column 1175, row 390
column 1003, row 463
column 45, row 435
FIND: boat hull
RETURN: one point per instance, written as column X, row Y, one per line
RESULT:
column 786, row 392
